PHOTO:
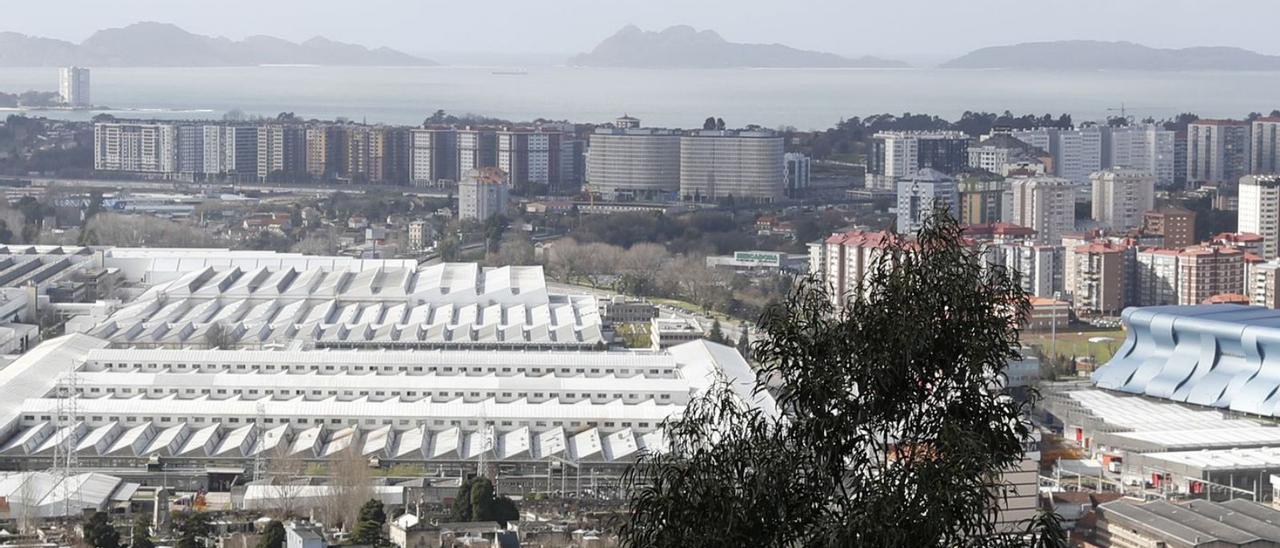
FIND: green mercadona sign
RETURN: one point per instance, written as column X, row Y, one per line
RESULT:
column 769, row 258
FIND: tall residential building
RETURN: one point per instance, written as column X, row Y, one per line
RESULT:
column 1175, row 226
column 1039, row 267
column 1180, row 159
column 377, row 154
column 920, row 194
column 477, row 148
column 142, row 147
column 795, row 174
column 901, row 153
column 1259, row 211
column 1157, row 277
column 1121, row 197
column 1044, row 204
column 634, row 164
column 191, row 149
column 395, row 167
column 1148, row 148
column 482, row 193
column 1264, row 146
column 842, row 260
column 1076, row 152
column 282, row 151
column 529, row 157
column 239, row 150
column 1217, row 151
column 1206, row 271
column 573, row 165
column 433, row 155
column 721, row 164
column 1102, row 284
column 326, row 158
column 73, row 87
column 213, row 154
column 981, row 201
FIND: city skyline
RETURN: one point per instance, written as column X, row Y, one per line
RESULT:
column 939, row 30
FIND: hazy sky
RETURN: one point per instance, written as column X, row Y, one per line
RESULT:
column 892, row 28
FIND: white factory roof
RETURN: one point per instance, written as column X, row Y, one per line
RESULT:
column 165, row 264
column 1221, row 459
column 1141, row 414
column 35, row 373
column 42, row 494
column 1223, row 438
column 457, row 304
column 585, row 405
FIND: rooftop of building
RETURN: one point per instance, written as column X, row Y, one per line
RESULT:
column 486, row 175
column 862, row 238
column 450, row 303
column 1219, row 122
column 1006, row 141
column 1239, row 238
column 1197, row 523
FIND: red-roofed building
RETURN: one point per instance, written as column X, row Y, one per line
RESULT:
column 1205, row 271
column 1227, row 298
column 843, row 259
column 1244, row 241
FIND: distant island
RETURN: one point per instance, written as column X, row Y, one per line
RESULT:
column 1097, row 55
column 163, row 45
column 685, row 47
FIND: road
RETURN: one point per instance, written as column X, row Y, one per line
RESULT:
column 173, row 186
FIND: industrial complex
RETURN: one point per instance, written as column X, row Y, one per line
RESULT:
column 201, row 364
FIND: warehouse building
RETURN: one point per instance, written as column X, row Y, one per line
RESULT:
column 225, row 407
column 455, row 305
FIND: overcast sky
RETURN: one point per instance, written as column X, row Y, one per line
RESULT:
column 892, row 28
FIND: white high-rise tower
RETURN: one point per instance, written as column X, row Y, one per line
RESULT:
column 73, row 85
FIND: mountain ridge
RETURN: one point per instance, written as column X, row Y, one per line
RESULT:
column 135, row 45
column 682, row 46
column 1117, row 55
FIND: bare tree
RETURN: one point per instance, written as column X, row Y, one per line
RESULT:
column 643, row 264
column 140, row 230
column 566, row 260
column 349, row 477
column 600, row 263
column 516, row 249
column 286, row 482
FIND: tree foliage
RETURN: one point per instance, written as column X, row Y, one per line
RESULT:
column 191, row 528
column 477, row 501
column 273, row 536
column 141, row 533
column 368, row 529
column 99, row 533
column 888, row 432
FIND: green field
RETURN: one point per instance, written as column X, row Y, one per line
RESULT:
column 1075, row 342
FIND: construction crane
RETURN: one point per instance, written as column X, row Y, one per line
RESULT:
column 1124, row 110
